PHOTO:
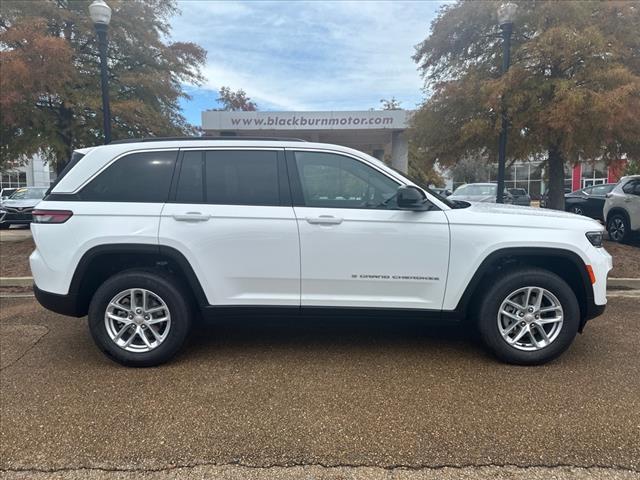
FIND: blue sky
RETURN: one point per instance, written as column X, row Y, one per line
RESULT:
column 318, row 55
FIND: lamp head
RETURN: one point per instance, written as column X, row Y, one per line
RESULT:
column 507, row 13
column 100, row 12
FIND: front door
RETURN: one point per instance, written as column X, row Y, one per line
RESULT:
column 231, row 216
column 357, row 248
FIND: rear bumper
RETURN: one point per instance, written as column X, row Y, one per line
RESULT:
column 62, row 304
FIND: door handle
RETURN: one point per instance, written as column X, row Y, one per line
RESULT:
column 191, row 217
column 324, row 220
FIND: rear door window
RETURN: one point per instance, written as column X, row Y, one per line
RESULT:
column 143, row 177
column 229, row 177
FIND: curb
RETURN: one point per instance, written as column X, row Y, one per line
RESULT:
column 612, row 283
column 16, row 281
column 626, row 283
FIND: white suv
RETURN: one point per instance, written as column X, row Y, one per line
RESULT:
column 148, row 237
column 622, row 209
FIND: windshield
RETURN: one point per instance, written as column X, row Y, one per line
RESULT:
column 476, row 190
column 28, row 194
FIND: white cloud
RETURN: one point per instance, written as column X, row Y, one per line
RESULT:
column 310, row 55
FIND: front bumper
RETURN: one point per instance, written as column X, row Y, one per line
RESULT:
column 15, row 217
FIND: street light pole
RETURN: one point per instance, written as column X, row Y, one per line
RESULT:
column 506, row 12
column 100, row 14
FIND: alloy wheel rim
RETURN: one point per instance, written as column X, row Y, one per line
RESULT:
column 137, row 320
column 617, row 228
column 530, row 318
column 577, row 210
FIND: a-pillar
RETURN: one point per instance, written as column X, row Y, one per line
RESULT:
column 400, row 152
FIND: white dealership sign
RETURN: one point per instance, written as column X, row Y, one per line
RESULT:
column 355, row 120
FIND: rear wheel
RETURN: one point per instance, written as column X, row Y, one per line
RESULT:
column 140, row 318
column 577, row 210
column 618, row 227
column 529, row 317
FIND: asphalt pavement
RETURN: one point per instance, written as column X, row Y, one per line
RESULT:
column 309, row 399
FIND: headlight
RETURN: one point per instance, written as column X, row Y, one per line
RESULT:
column 595, row 238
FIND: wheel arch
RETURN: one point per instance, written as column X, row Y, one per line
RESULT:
column 104, row 261
column 566, row 264
column 620, row 210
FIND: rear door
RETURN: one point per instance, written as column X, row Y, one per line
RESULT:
column 357, row 248
column 230, row 214
column 595, row 200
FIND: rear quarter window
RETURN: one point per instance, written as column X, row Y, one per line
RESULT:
column 143, row 177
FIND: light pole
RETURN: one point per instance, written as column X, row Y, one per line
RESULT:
column 506, row 14
column 100, row 14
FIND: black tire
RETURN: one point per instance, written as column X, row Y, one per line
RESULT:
column 177, row 301
column 507, row 283
column 618, row 227
column 4, row 226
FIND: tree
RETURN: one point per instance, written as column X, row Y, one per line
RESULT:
column 50, row 81
column 470, row 170
column 392, row 104
column 421, row 170
column 235, row 101
column 573, row 91
column 632, row 168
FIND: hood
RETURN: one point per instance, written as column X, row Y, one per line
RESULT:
column 27, row 202
column 503, row 214
column 473, row 198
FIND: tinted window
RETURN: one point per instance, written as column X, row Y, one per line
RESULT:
column 191, row 181
column 139, row 177
column 241, row 177
column 601, row 190
column 334, row 181
column 632, row 187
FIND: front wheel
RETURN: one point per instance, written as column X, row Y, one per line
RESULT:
column 140, row 318
column 618, row 228
column 529, row 317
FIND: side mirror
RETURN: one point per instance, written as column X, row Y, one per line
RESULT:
column 411, row 198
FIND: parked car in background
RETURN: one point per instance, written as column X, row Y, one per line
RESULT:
column 16, row 210
column 443, row 192
column 622, row 209
column 588, row 201
column 6, row 193
column 544, row 199
column 520, row 197
column 479, row 192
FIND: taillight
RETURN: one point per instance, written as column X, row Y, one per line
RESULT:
column 51, row 216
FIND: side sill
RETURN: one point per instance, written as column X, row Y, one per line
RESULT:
column 213, row 312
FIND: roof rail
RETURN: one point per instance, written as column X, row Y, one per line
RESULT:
column 226, row 137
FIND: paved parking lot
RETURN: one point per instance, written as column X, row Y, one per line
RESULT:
column 343, row 399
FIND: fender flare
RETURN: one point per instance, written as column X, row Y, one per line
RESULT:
column 159, row 251
column 499, row 255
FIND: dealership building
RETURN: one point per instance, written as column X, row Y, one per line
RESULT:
column 35, row 172
column 380, row 133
